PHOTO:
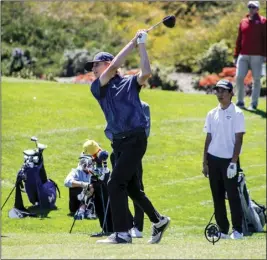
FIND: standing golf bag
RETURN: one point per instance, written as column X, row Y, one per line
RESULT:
column 32, row 179
column 254, row 214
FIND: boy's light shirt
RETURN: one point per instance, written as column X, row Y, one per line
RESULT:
column 77, row 175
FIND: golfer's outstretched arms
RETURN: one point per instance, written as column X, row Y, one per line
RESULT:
column 117, row 62
column 145, row 69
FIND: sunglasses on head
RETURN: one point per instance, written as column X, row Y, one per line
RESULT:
column 252, row 7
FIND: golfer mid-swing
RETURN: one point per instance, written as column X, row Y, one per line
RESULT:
column 119, row 99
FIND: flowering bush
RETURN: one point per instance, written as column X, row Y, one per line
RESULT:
column 207, row 82
column 87, row 78
column 228, row 72
column 158, row 78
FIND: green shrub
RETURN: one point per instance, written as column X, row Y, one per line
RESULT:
column 25, row 73
column 160, row 78
column 48, row 29
column 73, row 61
column 214, row 59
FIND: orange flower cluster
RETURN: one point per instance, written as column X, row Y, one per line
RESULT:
column 85, row 78
column 227, row 73
column 209, row 80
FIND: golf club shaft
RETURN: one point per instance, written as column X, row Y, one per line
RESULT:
column 8, row 197
column 72, row 225
column 155, row 25
column 103, row 204
column 105, row 217
column 76, row 213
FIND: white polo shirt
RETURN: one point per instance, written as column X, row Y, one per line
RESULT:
column 223, row 124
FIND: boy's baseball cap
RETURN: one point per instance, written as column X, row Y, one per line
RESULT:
column 224, row 83
column 254, row 3
column 101, row 56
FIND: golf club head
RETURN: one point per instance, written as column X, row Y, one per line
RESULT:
column 169, row 21
column 41, row 146
column 34, row 139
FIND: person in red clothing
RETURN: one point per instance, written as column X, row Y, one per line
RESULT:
column 250, row 53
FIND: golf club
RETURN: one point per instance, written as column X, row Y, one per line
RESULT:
column 105, row 217
column 8, row 197
column 212, row 231
column 168, row 21
column 34, row 139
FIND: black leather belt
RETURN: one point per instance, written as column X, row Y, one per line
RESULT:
column 124, row 135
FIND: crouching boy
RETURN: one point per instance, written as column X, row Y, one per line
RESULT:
column 79, row 182
column 89, row 179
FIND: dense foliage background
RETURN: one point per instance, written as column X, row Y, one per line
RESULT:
column 61, row 35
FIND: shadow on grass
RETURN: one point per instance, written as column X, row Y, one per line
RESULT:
column 41, row 213
column 259, row 112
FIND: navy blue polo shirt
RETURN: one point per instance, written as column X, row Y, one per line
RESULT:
column 121, row 104
column 146, row 111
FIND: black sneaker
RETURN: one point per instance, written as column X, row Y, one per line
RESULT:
column 115, row 238
column 101, row 234
column 158, row 230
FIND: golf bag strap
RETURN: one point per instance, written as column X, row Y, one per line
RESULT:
column 260, row 205
column 56, row 187
column 22, row 186
column 263, row 208
column 18, row 197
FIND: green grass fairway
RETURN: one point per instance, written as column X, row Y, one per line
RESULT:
column 63, row 116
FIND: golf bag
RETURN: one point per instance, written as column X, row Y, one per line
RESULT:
column 87, row 200
column 254, row 214
column 32, row 179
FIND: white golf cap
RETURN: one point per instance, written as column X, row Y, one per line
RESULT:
column 254, row 3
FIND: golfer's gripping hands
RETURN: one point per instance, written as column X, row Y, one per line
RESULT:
column 142, row 36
